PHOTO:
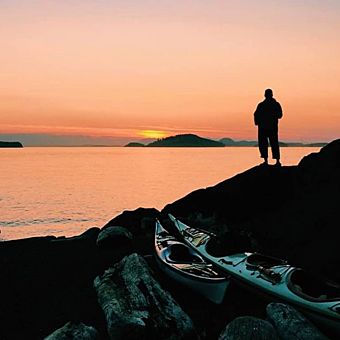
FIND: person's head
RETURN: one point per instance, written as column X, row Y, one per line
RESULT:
column 268, row 93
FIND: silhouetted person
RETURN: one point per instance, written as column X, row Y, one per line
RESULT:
column 267, row 117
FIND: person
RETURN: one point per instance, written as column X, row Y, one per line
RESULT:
column 266, row 117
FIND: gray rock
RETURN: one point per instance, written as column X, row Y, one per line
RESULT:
column 248, row 327
column 136, row 307
column 74, row 331
column 292, row 325
column 113, row 236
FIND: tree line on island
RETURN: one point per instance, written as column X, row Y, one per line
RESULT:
column 191, row 140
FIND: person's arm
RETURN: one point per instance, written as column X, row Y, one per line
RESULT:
column 256, row 115
column 279, row 111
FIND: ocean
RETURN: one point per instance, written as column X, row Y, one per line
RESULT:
column 66, row 190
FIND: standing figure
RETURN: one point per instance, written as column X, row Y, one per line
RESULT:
column 267, row 117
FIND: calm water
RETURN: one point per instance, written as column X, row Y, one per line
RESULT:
column 64, row 191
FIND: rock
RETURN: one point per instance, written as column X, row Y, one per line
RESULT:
column 137, row 221
column 90, row 235
column 292, row 325
column 52, row 278
column 248, row 327
column 300, row 201
column 74, row 331
column 114, row 236
column 141, row 223
column 136, row 307
column 329, row 155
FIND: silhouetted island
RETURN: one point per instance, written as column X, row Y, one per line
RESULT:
column 192, row 140
column 10, row 145
column 185, row 140
column 134, row 145
column 231, row 142
column 289, row 212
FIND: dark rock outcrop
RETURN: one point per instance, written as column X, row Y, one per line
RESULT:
column 286, row 212
column 113, row 237
column 248, row 327
column 48, row 281
column 72, row 331
column 292, row 325
column 136, row 307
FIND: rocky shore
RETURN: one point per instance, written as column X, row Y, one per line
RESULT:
column 104, row 284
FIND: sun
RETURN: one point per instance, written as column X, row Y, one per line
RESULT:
column 152, row 134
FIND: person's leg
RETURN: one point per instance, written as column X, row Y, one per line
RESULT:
column 263, row 144
column 274, row 144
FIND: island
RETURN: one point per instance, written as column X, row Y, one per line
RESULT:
column 192, row 140
column 185, row 140
column 134, row 145
column 10, row 145
column 231, row 142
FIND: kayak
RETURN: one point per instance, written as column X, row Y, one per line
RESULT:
column 183, row 264
column 275, row 278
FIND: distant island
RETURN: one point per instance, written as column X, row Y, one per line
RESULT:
column 183, row 140
column 10, row 145
column 135, row 144
column 180, row 140
column 231, row 142
column 191, row 140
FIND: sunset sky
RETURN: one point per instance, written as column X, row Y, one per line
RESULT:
column 121, row 68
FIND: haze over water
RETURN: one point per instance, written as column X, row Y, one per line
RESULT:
column 64, row 191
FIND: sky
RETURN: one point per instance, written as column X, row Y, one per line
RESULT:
column 136, row 68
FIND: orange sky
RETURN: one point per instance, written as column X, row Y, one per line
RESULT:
column 115, row 68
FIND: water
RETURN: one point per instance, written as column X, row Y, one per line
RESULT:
column 64, row 191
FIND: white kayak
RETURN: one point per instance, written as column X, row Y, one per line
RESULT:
column 187, row 267
column 274, row 277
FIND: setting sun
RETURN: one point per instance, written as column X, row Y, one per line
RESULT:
column 153, row 134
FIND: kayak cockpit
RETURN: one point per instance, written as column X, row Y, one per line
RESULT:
column 312, row 288
column 263, row 261
column 179, row 252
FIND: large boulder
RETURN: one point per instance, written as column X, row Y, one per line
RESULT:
column 137, row 221
column 292, row 325
column 136, row 307
column 113, row 237
column 248, row 327
column 141, row 223
column 72, row 331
